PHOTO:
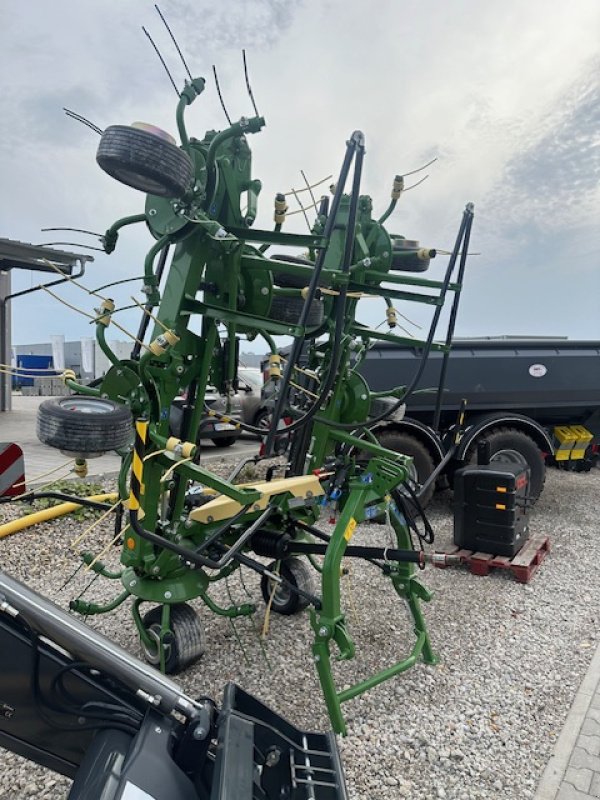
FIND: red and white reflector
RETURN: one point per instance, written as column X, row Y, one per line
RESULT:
column 12, row 470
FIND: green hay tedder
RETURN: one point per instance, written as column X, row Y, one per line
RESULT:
column 186, row 527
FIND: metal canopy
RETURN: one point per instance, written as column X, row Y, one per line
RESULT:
column 20, row 255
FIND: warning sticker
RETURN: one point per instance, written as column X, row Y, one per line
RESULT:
column 348, row 533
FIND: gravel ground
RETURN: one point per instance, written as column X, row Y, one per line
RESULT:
column 480, row 725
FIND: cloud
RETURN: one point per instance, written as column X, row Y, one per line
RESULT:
column 504, row 93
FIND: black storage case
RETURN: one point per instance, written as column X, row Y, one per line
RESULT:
column 491, row 508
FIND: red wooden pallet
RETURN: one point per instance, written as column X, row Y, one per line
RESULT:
column 523, row 565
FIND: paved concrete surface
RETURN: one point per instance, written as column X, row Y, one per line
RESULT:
column 19, row 426
column 573, row 772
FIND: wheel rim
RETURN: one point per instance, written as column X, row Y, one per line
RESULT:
column 281, row 596
column 87, row 405
column 152, row 654
column 509, row 457
column 264, row 422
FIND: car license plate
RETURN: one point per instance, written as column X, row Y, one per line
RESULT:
column 224, row 426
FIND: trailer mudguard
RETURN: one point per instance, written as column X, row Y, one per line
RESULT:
column 481, row 424
column 420, row 431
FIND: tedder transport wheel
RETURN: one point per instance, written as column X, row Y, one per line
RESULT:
column 423, row 464
column 144, row 161
column 515, row 447
column 288, row 309
column 86, row 426
column 291, row 281
column 187, row 641
column 285, row 601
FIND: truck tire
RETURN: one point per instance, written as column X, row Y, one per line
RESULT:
column 144, row 161
column 423, row 463
column 511, row 445
column 85, row 426
column 288, row 309
column 225, row 441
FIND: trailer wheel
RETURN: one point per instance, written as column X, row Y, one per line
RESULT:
column 512, row 446
column 85, row 426
column 225, row 441
column 285, row 601
column 144, row 161
column 187, row 639
column 288, row 309
column 423, row 464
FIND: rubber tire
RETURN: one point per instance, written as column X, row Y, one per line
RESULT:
column 226, row 441
column 408, row 445
column 288, row 310
column 188, row 642
column 513, row 439
column 144, row 161
column 84, row 433
column 263, row 419
column 290, row 281
column 299, row 573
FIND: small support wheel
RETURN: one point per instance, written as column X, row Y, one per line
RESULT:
column 285, row 601
column 184, row 643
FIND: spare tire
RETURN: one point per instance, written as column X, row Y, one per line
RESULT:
column 288, row 309
column 84, row 426
column 144, row 161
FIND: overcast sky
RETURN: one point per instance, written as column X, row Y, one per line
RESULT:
column 504, row 93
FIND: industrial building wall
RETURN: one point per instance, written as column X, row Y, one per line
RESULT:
column 73, row 356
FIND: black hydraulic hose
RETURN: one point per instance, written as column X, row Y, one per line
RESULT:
column 354, row 146
column 145, row 321
column 370, row 423
column 188, row 555
column 356, row 141
column 358, row 551
column 452, row 321
column 69, row 498
column 199, row 561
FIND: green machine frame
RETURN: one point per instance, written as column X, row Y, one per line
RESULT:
column 188, row 528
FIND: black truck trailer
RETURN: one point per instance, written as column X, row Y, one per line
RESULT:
column 536, row 401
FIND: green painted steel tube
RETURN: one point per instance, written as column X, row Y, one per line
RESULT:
column 243, row 610
column 385, row 674
column 252, row 125
column 387, row 212
column 270, row 341
column 112, row 234
column 83, row 607
column 179, row 114
column 79, row 388
column 101, row 339
column 149, row 276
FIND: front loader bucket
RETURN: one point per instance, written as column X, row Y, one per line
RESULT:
column 306, row 766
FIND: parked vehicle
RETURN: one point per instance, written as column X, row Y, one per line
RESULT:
column 245, row 404
column 536, row 401
column 250, row 383
column 222, row 434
